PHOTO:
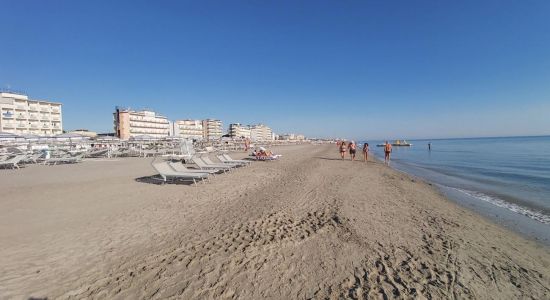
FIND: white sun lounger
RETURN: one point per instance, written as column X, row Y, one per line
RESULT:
column 204, row 166
column 64, row 160
column 207, row 160
column 230, row 159
column 179, row 167
column 13, row 162
column 166, row 172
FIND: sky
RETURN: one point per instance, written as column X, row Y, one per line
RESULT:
column 348, row 69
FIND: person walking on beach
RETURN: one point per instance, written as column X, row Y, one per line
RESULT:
column 343, row 149
column 352, row 150
column 387, row 152
column 366, row 151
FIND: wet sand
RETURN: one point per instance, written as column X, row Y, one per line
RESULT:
column 307, row 226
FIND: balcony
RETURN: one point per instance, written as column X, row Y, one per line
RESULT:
column 9, row 125
column 56, row 119
column 21, row 125
column 7, row 115
column 33, row 108
column 34, row 125
column 56, row 110
column 45, row 109
column 45, row 126
column 33, row 117
column 21, row 107
column 21, row 116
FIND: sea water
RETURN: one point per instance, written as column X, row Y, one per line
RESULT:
column 489, row 174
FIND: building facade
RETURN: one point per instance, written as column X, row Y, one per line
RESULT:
column 189, row 129
column 261, row 132
column 212, row 129
column 21, row 115
column 130, row 123
column 239, row 131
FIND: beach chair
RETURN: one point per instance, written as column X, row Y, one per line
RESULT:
column 179, row 167
column 204, row 166
column 230, row 159
column 13, row 162
column 207, row 160
column 166, row 173
column 64, row 160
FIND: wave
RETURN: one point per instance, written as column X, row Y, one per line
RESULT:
column 535, row 215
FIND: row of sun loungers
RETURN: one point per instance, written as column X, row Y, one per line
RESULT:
column 176, row 171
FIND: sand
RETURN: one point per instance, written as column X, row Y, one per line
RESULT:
column 307, row 226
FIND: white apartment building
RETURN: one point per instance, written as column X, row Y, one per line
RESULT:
column 212, row 129
column 237, row 130
column 261, row 132
column 129, row 123
column 21, row 115
column 189, row 129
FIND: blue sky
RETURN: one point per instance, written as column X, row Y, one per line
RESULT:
column 354, row 69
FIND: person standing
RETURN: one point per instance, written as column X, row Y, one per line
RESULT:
column 246, row 144
column 352, row 150
column 366, row 151
column 387, row 152
column 343, row 149
column 430, row 146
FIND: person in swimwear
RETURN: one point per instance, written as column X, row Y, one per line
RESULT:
column 343, row 149
column 366, row 151
column 387, row 152
column 352, row 149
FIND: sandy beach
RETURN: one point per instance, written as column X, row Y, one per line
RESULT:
column 307, row 226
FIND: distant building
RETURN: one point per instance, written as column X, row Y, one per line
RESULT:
column 84, row 132
column 129, row 123
column 238, row 131
column 189, row 129
column 21, row 115
column 261, row 132
column 212, row 129
column 292, row 137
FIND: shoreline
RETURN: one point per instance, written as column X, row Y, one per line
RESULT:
column 356, row 229
column 519, row 223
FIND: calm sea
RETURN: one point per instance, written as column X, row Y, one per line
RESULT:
column 511, row 173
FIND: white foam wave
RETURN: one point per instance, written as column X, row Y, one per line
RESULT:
column 535, row 215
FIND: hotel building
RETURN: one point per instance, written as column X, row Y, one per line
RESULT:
column 237, row 130
column 212, row 129
column 129, row 123
column 189, row 129
column 261, row 132
column 21, row 115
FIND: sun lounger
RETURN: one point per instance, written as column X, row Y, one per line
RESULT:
column 32, row 159
column 177, row 166
column 166, row 172
column 207, row 160
column 13, row 162
column 229, row 158
column 204, row 166
column 64, row 160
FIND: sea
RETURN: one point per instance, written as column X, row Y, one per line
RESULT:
column 504, row 178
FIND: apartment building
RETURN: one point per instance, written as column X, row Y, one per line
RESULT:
column 189, row 129
column 261, row 132
column 212, row 129
column 21, row 115
column 129, row 123
column 237, row 130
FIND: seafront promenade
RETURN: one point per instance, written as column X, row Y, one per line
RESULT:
column 306, row 226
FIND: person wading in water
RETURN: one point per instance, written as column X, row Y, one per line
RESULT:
column 387, row 152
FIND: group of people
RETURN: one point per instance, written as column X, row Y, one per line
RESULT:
column 352, row 148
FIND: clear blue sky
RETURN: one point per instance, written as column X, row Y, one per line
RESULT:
column 355, row 69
